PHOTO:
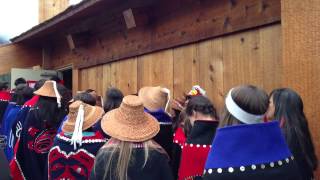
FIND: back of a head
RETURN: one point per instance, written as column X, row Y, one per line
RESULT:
column 287, row 103
column 289, row 107
column 39, row 84
column 3, row 86
column 20, row 81
column 250, row 99
column 56, row 79
column 202, row 105
column 86, row 98
column 22, row 93
column 113, row 99
column 48, row 109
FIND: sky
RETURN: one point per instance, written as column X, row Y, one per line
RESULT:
column 17, row 16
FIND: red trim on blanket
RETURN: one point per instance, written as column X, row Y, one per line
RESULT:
column 193, row 159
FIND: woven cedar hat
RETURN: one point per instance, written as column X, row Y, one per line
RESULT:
column 48, row 90
column 91, row 115
column 155, row 98
column 129, row 122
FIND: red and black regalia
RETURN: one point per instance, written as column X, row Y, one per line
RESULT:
column 196, row 149
column 73, row 153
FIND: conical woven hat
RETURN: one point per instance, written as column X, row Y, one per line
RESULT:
column 129, row 122
column 91, row 116
column 154, row 98
column 47, row 90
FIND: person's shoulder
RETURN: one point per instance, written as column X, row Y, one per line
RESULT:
column 158, row 155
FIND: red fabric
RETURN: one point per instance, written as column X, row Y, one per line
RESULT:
column 193, row 160
column 179, row 137
column 16, row 174
column 5, row 95
column 32, row 102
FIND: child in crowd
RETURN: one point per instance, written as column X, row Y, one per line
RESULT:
column 131, row 153
column 245, row 147
column 203, row 119
column 74, row 149
column 286, row 106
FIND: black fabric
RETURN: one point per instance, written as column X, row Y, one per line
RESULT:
column 4, row 167
column 156, row 168
column 305, row 170
column 175, row 160
column 283, row 172
column 165, row 137
column 202, row 132
column 3, row 107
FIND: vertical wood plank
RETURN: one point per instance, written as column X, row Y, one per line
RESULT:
column 301, row 44
column 91, row 84
column 211, row 70
column 270, row 53
column 186, row 64
column 156, row 69
column 124, row 75
column 242, row 64
column 99, row 80
column 106, row 78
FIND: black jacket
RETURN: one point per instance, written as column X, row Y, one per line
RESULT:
column 305, row 169
column 156, row 168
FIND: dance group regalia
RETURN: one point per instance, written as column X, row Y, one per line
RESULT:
column 36, row 149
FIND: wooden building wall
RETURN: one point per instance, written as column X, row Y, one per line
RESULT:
column 217, row 64
column 19, row 56
column 301, row 44
column 50, row 8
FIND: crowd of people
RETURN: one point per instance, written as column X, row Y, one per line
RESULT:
column 45, row 133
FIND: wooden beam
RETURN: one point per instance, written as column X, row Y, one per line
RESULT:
column 129, row 18
column 300, row 31
column 172, row 25
column 70, row 42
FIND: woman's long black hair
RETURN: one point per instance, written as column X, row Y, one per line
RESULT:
column 48, row 111
column 289, row 107
column 113, row 99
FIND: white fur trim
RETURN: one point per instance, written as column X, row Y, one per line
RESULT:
column 166, row 90
column 77, row 132
column 57, row 93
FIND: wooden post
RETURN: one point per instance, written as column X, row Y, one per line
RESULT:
column 301, row 67
column 75, row 81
